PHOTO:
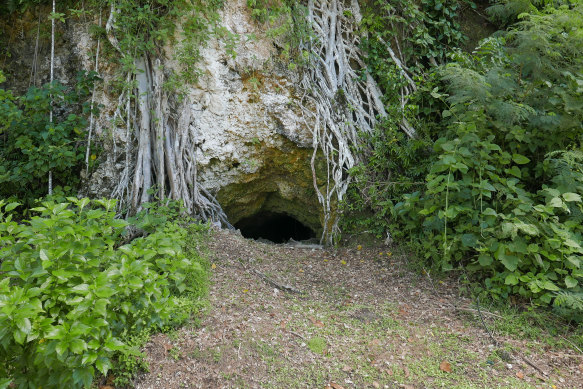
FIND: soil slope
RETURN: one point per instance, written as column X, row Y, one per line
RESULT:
column 288, row 317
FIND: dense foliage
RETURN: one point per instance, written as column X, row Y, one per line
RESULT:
column 71, row 295
column 394, row 163
column 143, row 27
column 501, row 187
column 31, row 145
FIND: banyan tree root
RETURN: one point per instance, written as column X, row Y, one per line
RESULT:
column 161, row 150
column 341, row 103
column 165, row 150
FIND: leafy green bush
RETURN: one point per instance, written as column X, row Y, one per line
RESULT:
column 33, row 146
column 503, row 196
column 69, row 295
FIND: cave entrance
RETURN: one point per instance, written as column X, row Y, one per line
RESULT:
column 273, row 226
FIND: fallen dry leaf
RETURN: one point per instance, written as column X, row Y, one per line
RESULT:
column 167, row 347
column 374, row 342
column 520, row 375
column 406, row 370
column 445, row 366
column 106, row 387
column 213, row 266
column 376, row 384
column 346, row 368
column 336, row 386
column 316, row 322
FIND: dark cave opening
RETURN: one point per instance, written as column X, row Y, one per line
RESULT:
column 276, row 227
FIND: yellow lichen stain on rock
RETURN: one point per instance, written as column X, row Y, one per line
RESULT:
column 283, row 183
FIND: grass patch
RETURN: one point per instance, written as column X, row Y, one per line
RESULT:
column 317, row 345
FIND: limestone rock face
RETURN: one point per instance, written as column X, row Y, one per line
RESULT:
column 254, row 146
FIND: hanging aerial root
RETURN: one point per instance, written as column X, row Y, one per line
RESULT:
column 161, row 142
column 344, row 103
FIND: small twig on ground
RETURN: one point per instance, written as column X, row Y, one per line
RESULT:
column 535, row 367
column 298, row 335
column 282, row 287
column 475, row 310
column 484, row 323
column 572, row 344
column 563, row 355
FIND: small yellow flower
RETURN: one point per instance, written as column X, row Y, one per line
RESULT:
column 381, row 253
column 359, row 247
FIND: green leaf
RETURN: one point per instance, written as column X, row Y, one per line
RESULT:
column 571, row 282
column 515, row 171
column 511, row 279
column 118, row 223
column 62, row 347
column 485, row 260
column 469, row 240
column 100, row 307
column 56, row 333
column 489, row 212
column 571, row 243
column 83, row 376
column 572, row 197
column 135, row 282
column 24, row 325
column 78, row 346
column 19, row 336
column 105, row 292
column 43, row 255
column 89, row 358
column 529, row 229
column 114, row 344
column 94, row 214
column 509, row 261
column 81, row 289
column 103, row 364
column 520, row 159
column 573, row 260
column 549, row 285
column 556, row 202
column 5, row 383
column 11, row 206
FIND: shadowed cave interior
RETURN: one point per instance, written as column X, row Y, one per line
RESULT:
column 276, row 227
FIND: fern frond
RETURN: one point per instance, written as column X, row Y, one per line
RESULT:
column 572, row 300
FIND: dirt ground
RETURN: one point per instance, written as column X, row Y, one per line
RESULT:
column 287, row 317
